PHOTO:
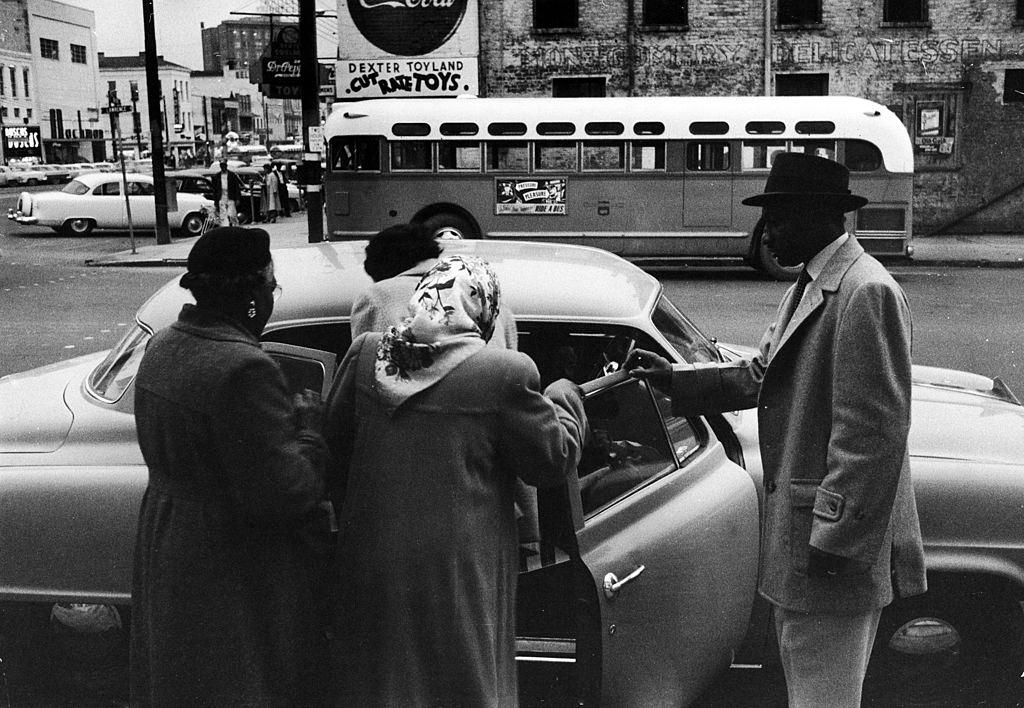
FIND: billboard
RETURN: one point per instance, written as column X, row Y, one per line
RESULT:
column 21, row 141
column 407, row 48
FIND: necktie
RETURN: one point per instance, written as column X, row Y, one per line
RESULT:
column 798, row 293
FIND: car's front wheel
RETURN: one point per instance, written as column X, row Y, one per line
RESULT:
column 193, row 224
column 78, row 227
column 960, row 644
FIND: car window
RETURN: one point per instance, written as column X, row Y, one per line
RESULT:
column 108, row 189
column 628, row 445
column 140, row 189
column 682, row 334
column 75, row 187
column 325, row 336
column 112, row 376
column 578, row 352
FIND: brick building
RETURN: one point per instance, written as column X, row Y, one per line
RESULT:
column 953, row 69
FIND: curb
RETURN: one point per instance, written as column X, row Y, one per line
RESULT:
column 966, row 263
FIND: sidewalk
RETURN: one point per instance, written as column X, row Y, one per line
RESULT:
column 983, row 250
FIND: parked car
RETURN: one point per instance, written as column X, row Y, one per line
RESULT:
column 26, row 175
column 192, row 181
column 96, row 201
column 55, row 174
column 252, row 184
column 5, row 173
column 641, row 589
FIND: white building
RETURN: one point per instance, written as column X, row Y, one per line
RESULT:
column 225, row 101
column 126, row 75
column 50, row 77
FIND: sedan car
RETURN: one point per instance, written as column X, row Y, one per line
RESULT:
column 26, row 175
column 97, row 201
column 642, row 586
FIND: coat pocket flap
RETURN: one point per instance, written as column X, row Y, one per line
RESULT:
column 828, row 505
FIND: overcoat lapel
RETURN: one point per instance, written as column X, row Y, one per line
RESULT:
column 827, row 281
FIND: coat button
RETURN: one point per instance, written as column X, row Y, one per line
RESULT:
column 769, row 486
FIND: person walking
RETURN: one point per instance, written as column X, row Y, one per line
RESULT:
column 223, row 609
column 396, row 259
column 227, row 191
column 430, row 428
column 832, row 385
column 282, row 189
column 270, row 203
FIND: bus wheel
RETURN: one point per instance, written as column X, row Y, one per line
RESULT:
column 766, row 262
column 450, row 227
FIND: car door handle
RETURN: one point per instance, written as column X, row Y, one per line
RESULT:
column 612, row 584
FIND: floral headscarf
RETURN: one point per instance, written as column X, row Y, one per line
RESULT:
column 452, row 315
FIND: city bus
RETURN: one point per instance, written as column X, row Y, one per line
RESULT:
column 657, row 180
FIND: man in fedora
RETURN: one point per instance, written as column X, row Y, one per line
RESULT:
column 831, row 384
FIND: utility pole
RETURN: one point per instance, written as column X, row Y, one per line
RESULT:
column 310, row 71
column 156, row 140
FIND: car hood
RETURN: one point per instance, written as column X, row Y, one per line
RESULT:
column 34, row 416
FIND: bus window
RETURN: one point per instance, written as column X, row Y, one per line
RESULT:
column 710, row 156
column 459, row 129
column 508, row 156
column 647, row 155
column 458, row 156
column 604, row 128
column 411, row 155
column 604, row 155
column 354, row 153
column 758, row 155
column 766, row 127
column 861, row 156
column 810, row 127
column 650, row 127
column 821, row 148
column 556, row 128
column 556, row 155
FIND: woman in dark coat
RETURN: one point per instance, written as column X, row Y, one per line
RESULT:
column 222, row 601
column 431, row 428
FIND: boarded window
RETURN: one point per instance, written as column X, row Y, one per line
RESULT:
column 665, row 12
column 799, row 12
column 555, row 14
column 905, row 11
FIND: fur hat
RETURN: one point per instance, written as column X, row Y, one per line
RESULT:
column 230, row 250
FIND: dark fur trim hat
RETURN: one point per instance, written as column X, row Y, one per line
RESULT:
column 796, row 175
column 230, row 250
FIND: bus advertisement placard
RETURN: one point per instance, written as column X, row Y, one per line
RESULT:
column 530, row 196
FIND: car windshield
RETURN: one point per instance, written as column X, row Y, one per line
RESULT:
column 109, row 380
column 682, row 334
column 75, row 187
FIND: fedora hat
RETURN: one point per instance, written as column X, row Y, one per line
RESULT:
column 807, row 177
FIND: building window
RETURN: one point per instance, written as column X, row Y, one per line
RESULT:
column 1013, row 86
column 555, row 14
column 14, row 85
column 575, row 87
column 17, row 112
column 24, row 82
column 28, row 112
column 3, row 84
column 665, row 12
column 799, row 12
column 801, row 84
column 905, row 11
column 48, row 48
column 78, row 54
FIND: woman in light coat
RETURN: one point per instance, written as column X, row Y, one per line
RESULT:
column 430, row 429
column 270, row 201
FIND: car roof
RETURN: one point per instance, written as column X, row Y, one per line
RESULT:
column 92, row 179
column 540, row 281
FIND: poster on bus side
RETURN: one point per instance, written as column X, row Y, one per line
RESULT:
column 529, row 196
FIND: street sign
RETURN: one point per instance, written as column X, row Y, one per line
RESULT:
column 116, row 109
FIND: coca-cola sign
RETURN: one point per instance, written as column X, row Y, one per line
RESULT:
column 407, row 27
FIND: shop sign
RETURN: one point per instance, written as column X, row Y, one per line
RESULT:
column 530, row 196
column 21, row 141
column 394, row 78
column 408, row 27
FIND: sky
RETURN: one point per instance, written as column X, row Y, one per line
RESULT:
column 178, row 38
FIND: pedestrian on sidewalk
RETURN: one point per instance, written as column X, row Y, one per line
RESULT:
column 227, row 191
column 270, row 203
column 282, row 188
column 832, row 385
column 223, row 602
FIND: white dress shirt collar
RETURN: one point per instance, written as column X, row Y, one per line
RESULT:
column 817, row 264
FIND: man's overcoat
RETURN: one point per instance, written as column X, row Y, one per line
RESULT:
column 833, row 393
column 222, row 588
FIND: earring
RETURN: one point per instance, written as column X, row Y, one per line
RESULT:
column 252, row 309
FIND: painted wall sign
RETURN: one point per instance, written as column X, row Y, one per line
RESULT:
column 406, row 77
column 529, row 196
column 407, row 27
column 934, row 50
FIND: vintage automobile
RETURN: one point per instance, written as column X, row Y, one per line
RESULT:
column 97, row 201
column 26, row 175
column 642, row 587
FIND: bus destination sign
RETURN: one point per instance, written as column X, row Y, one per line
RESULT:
column 530, row 196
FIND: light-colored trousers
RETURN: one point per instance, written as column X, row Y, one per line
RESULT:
column 825, row 656
column 227, row 212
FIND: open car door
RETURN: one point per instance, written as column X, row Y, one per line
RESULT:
column 643, row 580
column 303, row 367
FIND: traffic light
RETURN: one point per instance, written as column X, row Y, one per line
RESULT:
column 135, row 92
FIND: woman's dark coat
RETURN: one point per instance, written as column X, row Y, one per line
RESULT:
column 428, row 558
column 222, row 603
